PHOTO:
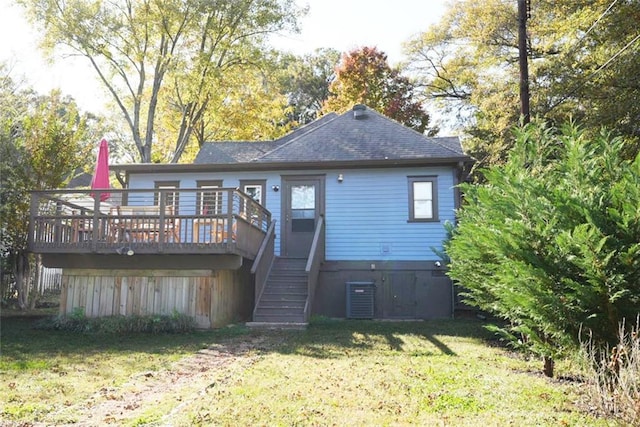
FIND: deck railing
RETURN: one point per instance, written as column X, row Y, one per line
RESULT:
column 167, row 220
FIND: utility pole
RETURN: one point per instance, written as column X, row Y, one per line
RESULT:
column 523, row 15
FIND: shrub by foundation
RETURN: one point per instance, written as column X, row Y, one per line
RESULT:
column 156, row 324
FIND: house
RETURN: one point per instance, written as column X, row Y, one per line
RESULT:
column 342, row 217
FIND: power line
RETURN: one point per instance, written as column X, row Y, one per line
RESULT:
column 596, row 71
column 598, row 20
column 584, row 36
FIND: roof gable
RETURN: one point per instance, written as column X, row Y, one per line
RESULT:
column 362, row 134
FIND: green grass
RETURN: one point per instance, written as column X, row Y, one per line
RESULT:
column 43, row 371
column 334, row 373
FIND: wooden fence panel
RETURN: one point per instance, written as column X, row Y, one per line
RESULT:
column 212, row 298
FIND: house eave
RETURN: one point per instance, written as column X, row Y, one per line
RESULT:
column 263, row 166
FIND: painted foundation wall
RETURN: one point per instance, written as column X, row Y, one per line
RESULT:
column 403, row 290
column 213, row 298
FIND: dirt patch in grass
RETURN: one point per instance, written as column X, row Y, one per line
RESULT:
column 60, row 378
column 152, row 397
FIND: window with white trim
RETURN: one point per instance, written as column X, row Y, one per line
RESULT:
column 209, row 201
column 254, row 188
column 254, row 191
column 423, row 198
column 171, row 197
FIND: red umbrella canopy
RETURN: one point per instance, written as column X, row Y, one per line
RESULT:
column 100, row 179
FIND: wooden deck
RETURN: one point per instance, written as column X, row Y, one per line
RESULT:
column 132, row 223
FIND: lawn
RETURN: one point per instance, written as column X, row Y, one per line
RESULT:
column 334, row 373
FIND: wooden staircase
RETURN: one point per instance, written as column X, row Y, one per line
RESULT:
column 284, row 296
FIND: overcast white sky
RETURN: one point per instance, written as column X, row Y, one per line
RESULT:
column 339, row 24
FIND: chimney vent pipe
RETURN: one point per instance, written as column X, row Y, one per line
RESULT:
column 359, row 111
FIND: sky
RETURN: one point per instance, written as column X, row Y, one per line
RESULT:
column 340, row 24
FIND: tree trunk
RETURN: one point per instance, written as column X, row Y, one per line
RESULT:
column 548, row 366
column 21, row 274
column 36, row 291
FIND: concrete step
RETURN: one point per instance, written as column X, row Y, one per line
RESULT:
column 281, row 308
column 278, row 325
column 278, row 318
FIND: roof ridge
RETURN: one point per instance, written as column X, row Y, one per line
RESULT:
column 428, row 138
column 434, row 139
column 310, row 126
column 301, row 134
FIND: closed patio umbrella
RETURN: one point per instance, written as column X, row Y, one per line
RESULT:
column 100, row 180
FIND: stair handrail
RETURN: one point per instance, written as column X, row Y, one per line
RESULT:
column 316, row 257
column 263, row 262
column 264, row 246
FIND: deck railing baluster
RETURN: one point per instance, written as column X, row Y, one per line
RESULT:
column 70, row 221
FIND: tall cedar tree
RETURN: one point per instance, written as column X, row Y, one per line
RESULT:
column 550, row 243
column 365, row 77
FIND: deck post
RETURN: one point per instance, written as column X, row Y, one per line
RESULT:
column 230, row 216
column 57, row 227
column 33, row 212
column 95, row 229
column 161, row 220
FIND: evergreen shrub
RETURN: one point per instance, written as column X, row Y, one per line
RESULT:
column 550, row 242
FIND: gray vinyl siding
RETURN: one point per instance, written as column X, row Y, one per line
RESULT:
column 367, row 215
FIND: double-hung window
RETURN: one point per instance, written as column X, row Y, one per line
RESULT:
column 209, row 201
column 170, row 197
column 256, row 190
column 423, row 198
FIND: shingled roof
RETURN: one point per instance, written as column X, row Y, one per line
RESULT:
column 362, row 134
